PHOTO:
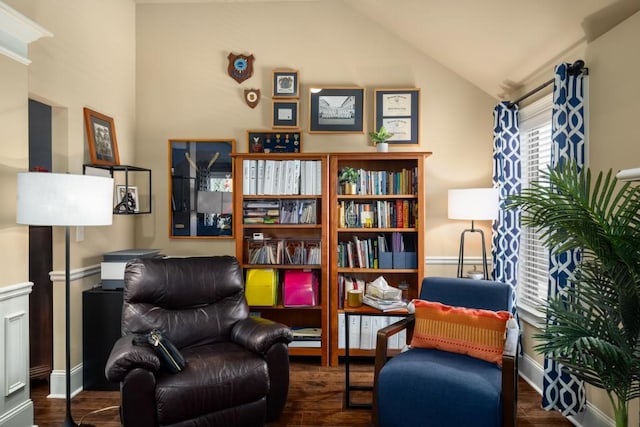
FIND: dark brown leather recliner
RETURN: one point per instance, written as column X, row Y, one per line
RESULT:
column 237, row 371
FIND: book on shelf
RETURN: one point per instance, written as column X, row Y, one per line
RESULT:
column 306, row 343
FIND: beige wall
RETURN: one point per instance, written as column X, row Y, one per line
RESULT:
column 90, row 62
column 14, row 158
column 183, row 91
column 614, row 107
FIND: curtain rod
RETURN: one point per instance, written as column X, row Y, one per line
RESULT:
column 574, row 69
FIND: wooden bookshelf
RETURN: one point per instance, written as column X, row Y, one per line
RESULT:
column 407, row 170
column 249, row 199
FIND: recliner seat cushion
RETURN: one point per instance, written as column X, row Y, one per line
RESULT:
column 197, row 390
column 463, row 391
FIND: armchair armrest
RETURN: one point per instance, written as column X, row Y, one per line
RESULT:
column 126, row 356
column 510, row 377
column 382, row 341
column 258, row 334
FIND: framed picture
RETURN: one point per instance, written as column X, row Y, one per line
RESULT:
column 285, row 114
column 285, row 84
column 126, row 199
column 336, row 110
column 101, row 134
column 274, row 141
column 201, row 188
column 398, row 110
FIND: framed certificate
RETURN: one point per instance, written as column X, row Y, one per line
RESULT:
column 398, row 110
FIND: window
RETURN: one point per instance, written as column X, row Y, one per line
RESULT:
column 535, row 152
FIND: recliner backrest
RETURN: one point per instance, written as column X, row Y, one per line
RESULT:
column 459, row 292
column 194, row 300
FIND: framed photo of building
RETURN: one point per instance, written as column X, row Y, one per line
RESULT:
column 398, row 110
column 336, row 110
column 285, row 84
column 101, row 135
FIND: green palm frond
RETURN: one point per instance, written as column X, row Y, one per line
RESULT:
column 594, row 324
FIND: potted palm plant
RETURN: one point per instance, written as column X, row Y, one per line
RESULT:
column 596, row 329
column 380, row 139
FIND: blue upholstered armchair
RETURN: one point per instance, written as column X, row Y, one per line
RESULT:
column 425, row 386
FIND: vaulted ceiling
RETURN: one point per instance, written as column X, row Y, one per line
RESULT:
column 495, row 44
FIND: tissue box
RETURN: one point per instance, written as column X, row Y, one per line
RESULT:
column 380, row 289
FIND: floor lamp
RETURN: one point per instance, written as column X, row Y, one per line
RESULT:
column 65, row 200
column 473, row 204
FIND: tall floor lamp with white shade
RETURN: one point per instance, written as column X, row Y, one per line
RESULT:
column 473, row 204
column 53, row 199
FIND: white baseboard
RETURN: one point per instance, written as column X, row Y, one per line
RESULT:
column 532, row 373
column 21, row 415
column 58, row 383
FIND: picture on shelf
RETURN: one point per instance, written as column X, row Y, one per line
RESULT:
column 127, row 199
column 101, row 135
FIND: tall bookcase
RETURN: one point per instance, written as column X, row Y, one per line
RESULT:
column 266, row 240
column 389, row 204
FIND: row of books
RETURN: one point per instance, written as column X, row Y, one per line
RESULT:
column 387, row 182
column 284, row 251
column 280, row 212
column 281, row 177
column 361, row 253
column 378, row 214
column 363, row 330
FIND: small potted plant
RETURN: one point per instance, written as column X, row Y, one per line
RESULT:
column 380, row 139
column 349, row 178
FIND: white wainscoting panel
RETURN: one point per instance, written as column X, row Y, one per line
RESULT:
column 16, row 407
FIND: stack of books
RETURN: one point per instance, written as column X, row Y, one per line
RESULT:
column 306, row 337
column 383, row 304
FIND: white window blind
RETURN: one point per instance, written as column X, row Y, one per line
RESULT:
column 535, row 151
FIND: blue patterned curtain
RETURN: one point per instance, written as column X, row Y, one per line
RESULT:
column 507, row 178
column 563, row 391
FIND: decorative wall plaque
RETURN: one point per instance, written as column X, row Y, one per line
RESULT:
column 240, row 67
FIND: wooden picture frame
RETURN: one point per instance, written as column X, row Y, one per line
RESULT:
column 201, row 188
column 284, row 114
column 285, row 84
column 101, row 135
column 274, row 141
column 336, row 110
column 398, row 110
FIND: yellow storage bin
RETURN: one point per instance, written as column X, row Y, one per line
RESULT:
column 261, row 285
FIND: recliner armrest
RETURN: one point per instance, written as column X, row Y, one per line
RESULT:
column 125, row 356
column 258, row 334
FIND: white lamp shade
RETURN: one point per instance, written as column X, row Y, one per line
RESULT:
column 473, row 203
column 64, row 199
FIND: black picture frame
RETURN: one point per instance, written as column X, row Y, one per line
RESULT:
column 284, row 114
column 285, row 84
column 399, row 111
column 336, row 110
column 274, row 141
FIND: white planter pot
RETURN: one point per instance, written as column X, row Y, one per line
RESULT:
column 382, row 147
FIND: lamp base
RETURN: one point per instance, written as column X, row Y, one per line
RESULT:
column 484, row 274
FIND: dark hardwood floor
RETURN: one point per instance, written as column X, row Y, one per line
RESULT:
column 316, row 398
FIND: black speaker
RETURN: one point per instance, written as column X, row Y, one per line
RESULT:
column 101, row 317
